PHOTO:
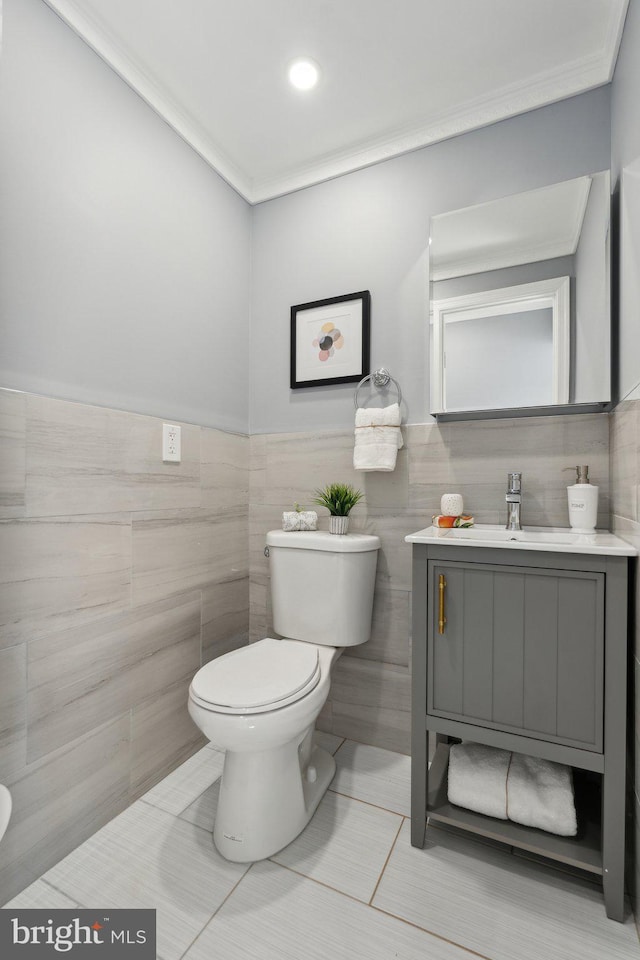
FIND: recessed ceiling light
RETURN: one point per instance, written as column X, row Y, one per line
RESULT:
column 304, row 73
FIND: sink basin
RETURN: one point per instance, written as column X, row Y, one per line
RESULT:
column 553, row 539
column 518, row 536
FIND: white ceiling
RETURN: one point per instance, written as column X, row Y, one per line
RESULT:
column 396, row 74
column 522, row 228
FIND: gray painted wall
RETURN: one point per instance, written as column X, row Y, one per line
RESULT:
column 625, row 167
column 369, row 230
column 124, row 259
column 625, row 430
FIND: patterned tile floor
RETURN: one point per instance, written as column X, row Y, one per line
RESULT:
column 350, row 886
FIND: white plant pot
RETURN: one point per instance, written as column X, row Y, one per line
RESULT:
column 338, row 524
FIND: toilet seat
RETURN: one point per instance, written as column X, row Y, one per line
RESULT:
column 256, row 678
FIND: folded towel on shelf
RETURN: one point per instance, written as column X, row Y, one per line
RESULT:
column 478, row 778
column 511, row 786
column 540, row 794
column 378, row 438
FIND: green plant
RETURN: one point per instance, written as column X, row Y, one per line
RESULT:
column 338, row 498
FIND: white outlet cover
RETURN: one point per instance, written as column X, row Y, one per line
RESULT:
column 171, row 452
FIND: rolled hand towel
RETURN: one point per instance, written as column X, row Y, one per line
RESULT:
column 299, row 520
column 478, row 778
column 540, row 794
column 378, row 438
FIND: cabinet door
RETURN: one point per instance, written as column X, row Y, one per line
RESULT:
column 521, row 650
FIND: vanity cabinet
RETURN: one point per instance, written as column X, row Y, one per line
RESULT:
column 525, row 650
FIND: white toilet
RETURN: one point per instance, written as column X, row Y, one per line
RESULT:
column 260, row 703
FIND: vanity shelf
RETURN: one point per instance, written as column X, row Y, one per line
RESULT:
column 582, row 851
column 523, row 646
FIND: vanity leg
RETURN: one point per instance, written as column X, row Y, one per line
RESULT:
column 615, row 711
column 419, row 734
column 613, row 828
column 419, row 787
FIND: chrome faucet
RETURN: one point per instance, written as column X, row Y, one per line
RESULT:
column 513, row 498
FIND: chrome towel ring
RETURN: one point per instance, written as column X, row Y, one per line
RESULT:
column 381, row 378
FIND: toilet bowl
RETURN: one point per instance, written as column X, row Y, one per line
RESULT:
column 274, row 777
column 260, row 703
column 5, row 809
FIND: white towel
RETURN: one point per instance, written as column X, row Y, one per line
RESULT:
column 540, row 794
column 478, row 778
column 299, row 520
column 378, row 438
column 537, row 793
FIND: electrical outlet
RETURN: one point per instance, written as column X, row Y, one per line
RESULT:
column 171, row 443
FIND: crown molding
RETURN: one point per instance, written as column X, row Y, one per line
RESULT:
column 545, row 88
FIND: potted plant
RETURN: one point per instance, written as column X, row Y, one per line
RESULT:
column 339, row 499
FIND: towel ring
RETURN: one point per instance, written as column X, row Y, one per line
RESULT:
column 380, row 378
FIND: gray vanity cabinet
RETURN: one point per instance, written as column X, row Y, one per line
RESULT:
column 521, row 650
column 524, row 650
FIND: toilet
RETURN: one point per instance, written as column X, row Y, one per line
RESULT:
column 260, row 703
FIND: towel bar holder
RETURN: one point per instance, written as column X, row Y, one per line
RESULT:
column 381, row 378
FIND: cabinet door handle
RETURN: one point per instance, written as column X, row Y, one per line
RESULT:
column 441, row 617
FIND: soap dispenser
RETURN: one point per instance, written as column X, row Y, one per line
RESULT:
column 583, row 502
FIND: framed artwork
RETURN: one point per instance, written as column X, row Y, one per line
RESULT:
column 330, row 340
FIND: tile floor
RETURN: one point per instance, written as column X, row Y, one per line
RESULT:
column 350, row 886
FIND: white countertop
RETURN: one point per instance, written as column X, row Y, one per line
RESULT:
column 549, row 539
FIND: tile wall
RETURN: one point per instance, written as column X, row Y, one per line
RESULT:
column 119, row 576
column 370, row 695
column 625, row 520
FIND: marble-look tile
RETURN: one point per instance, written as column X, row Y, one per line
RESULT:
column 483, row 452
column 225, row 617
column 224, row 471
column 298, row 464
column 327, row 741
column 186, row 783
column 40, row 895
column 13, row 713
column 259, row 612
column 148, row 858
column 499, row 905
column 394, row 556
column 202, row 811
column 428, row 456
column 371, row 702
column 13, row 460
column 162, row 736
column 61, row 800
column 81, row 678
column 187, row 551
column 85, row 459
column 624, row 454
column 345, row 845
column 61, row 572
column 389, row 641
column 386, row 491
column 257, row 468
column 290, row 917
column 374, row 775
column 383, row 727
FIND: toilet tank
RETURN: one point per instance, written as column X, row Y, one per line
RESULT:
column 322, row 585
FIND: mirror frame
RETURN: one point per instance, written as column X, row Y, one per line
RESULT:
column 541, row 294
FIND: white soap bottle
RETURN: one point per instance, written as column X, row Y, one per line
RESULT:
column 583, row 503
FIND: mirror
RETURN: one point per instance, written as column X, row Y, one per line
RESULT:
column 520, row 311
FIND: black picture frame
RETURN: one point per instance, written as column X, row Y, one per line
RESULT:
column 349, row 316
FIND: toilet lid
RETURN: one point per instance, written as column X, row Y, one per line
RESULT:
column 263, row 675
